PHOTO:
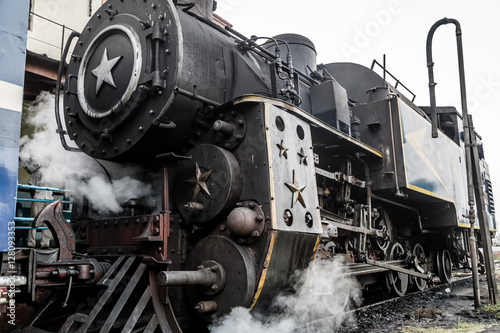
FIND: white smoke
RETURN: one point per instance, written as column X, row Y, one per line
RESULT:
column 322, row 295
column 75, row 170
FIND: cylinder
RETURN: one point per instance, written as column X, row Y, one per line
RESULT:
column 224, row 127
column 302, row 51
column 242, row 221
column 303, row 58
column 376, row 94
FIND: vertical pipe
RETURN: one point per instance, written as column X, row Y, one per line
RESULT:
column 432, row 84
column 430, row 69
column 165, row 208
column 475, row 276
column 466, row 131
column 164, row 178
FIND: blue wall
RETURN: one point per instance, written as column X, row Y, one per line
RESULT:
column 13, row 34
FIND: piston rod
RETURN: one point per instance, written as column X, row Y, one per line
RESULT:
column 209, row 274
column 204, row 277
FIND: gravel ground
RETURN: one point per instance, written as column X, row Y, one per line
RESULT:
column 449, row 308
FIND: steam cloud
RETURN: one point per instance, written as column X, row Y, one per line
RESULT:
column 322, row 294
column 76, row 171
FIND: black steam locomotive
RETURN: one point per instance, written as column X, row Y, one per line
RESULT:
column 264, row 161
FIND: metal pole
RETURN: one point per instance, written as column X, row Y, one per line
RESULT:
column 463, row 95
column 484, row 228
column 475, row 276
column 467, row 139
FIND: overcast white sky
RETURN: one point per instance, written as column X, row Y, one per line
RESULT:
column 362, row 30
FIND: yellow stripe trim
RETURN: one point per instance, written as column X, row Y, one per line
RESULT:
column 429, row 193
column 266, row 267
column 315, row 248
column 466, row 225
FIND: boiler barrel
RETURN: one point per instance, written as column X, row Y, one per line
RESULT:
column 131, row 69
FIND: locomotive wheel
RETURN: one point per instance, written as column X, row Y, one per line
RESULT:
column 397, row 282
column 239, row 270
column 418, row 252
column 162, row 305
column 444, row 266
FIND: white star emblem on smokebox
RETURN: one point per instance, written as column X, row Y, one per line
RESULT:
column 103, row 71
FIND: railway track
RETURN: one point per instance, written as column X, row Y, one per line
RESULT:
column 457, row 280
column 379, row 315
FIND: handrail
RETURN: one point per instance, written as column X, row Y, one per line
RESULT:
column 40, row 188
column 41, row 200
column 51, row 21
column 60, row 129
column 63, row 30
column 43, row 188
column 394, row 78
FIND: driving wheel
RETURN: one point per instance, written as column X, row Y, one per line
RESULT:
column 396, row 281
column 419, row 255
column 444, row 266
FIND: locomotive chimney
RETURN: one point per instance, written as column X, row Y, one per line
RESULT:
column 205, row 8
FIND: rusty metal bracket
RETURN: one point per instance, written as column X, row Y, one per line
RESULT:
column 64, row 236
column 154, row 231
column 158, row 228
